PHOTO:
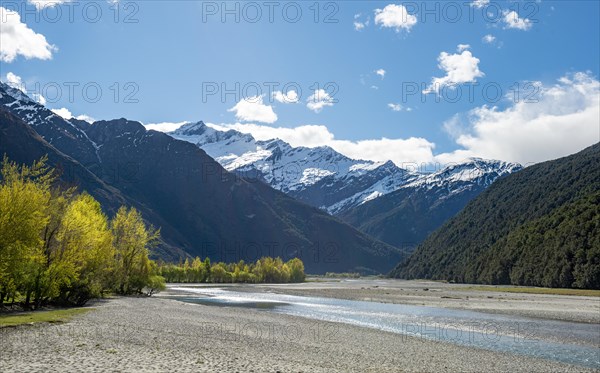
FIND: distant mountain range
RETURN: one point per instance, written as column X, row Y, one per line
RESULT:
column 405, row 217
column 319, row 176
column 397, row 206
column 200, row 207
column 538, row 227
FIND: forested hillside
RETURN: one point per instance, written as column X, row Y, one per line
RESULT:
column 538, row 227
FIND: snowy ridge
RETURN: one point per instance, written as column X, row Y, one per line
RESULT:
column 50, row 126
column 325, row 178
column 476, row 170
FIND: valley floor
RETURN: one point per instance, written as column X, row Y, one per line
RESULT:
column 166, row 335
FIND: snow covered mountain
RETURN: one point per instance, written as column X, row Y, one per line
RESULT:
column 57, row 131
column 456, row 177
column 325, row 178
column 405, row 217
column 318, row 176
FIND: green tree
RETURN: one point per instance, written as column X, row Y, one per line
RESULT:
column 296, row 270
column 24, row 201
column 132, row 240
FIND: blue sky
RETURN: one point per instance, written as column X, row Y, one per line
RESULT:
column 165, row 55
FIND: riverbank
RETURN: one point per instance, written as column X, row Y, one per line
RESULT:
column 482, row 298
column 160, row 335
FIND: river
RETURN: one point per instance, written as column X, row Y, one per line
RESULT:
column 567, row 342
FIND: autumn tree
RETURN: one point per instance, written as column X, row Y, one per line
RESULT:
column 132, row 241
column 24, row 199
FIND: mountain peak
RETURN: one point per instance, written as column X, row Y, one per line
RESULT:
column 191, row 128
column 123, row 123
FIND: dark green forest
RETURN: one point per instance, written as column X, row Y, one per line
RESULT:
column 538, row 227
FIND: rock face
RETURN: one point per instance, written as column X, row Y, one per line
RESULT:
column 200, row 207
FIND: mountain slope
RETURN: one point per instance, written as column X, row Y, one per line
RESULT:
column 62, row 134
column 319, row 176
column 539, row 227
column 199, row 206
column 224, row 216
column 21, row 144
column 404, row 218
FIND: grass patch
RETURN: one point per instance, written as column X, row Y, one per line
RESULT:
column 53, row 316
column 533, row 290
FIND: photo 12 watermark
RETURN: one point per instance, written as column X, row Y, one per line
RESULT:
column 122, row 12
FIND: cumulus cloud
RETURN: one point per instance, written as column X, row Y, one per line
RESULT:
column 381, row 73
column 164, row 126
column 319, row 100
column 16, row 38
column 396, row 17
column 461, row 67
column 488, row 39
column 66, row 114
column 562, row 122
column 16, row 82
column 513, row 21
column 395, row 107
column 39, row 98
column 462, row 47
column 252, row 109
column 479, row 3
column 400, row 151
column 398, row 107
column 360, row 25
column 291, row 97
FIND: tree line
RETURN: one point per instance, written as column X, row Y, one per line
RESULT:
column 264, row 270
column 58, row 247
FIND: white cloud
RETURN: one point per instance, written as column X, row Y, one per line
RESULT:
column 291, row 97
column 395, row 107
column 360, row 25
column 16, row 82
column 398, row 107
column 164, row 126
column 488, row 39
column 252, row 109
column 39, row 98
column 461, row 67
column 562, row 122
column 381, row 73
column 16, row 38
column 66, row 114
column 396, row 17
column 479, row 3
column 512, row 20
column 319, row 100
column 399, row 151
column 41, row 4
column 63, row 112
column 462, row 47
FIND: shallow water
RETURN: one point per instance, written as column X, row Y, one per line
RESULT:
column 567, row 342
